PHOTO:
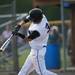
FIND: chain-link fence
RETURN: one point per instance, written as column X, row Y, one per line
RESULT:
column 6, row 57
column 9, row 59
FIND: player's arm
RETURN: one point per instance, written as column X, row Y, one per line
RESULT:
column 32, row 36
column 22, row 23
column 25, row 22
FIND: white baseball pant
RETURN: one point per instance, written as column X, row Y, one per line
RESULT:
column 35, row 61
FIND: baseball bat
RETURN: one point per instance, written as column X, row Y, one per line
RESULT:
column 6, row 43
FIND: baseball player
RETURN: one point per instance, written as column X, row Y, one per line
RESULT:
column 37, row 37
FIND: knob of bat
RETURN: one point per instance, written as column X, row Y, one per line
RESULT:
column 1, row 50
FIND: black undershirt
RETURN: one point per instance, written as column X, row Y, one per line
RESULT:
column 32, row 35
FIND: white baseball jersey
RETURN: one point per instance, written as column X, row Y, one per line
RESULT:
column 43, row 29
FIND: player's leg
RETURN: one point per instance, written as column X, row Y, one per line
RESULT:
column 39, row 63
column 27, row 67
column 36, row 61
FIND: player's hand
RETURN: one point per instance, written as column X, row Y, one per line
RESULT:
column 16, row 29
column 14, row 32
column 21, row 23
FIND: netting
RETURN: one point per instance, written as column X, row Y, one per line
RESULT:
column 9, row 59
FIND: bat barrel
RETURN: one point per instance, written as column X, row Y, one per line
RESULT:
column 6, row 43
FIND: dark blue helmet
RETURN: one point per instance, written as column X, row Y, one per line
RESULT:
column 36, row 15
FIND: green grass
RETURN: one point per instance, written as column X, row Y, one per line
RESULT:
column 23, row 57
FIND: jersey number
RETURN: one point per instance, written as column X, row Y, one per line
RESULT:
column 47, row 27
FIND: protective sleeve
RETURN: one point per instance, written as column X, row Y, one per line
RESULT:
column 20, row 35
column 26, row 20
column 34, row 35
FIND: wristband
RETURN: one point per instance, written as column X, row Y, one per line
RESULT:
column 26, row 20
column 17, row 28
column 20, row 35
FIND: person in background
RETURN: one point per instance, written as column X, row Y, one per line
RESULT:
column 69, row 40
column 55, row 36
column 5, row 35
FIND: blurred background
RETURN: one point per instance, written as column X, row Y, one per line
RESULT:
column 60, row 54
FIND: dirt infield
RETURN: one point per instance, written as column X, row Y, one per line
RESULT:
column 66, row 73
column 34, row 73
column 59, row 73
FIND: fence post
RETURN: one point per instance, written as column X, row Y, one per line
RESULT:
column 63, row 43
column 15, row 51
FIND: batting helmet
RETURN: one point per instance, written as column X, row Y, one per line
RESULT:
column 36, row 15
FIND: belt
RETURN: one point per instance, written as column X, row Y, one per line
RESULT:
column 44, row 46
